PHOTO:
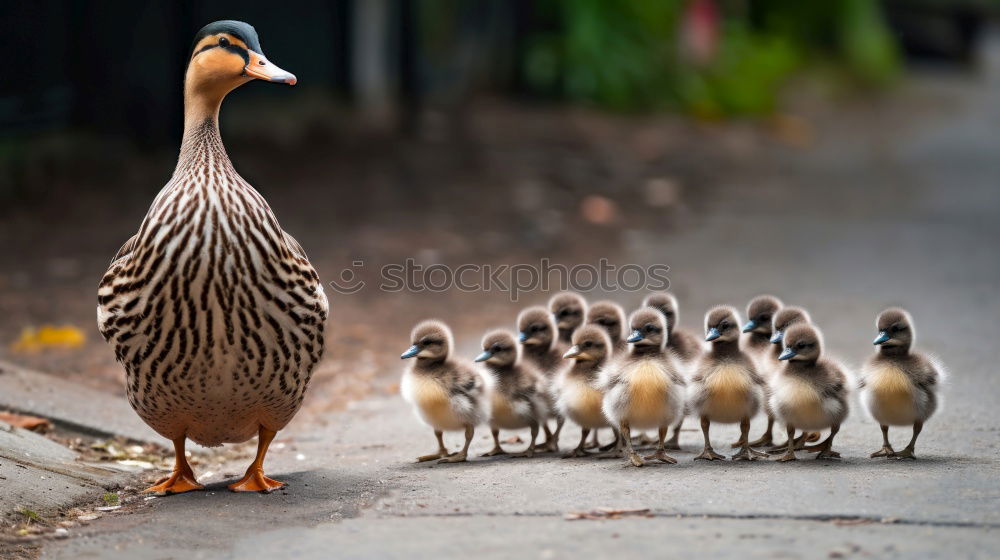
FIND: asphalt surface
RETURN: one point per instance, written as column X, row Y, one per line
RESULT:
column 899, row 212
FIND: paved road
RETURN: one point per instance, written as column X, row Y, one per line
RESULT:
column 896, row 213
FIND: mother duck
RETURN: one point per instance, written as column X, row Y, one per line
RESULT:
column 214, row 311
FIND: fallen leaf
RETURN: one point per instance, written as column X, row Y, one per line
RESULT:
column 35, row 340
column 514, row 439
column 33, row 423
column 608, row 513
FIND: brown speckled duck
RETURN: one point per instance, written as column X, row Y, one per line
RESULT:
column 576, row 392
column 538, row 335
column 569, row 310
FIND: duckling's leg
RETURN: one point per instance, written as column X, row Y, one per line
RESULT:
column 661, row 452
column 625, row 434
column 886, row 450
column 616, row 451
column 790, row 449
column 552, row 443
column 530, row 451
column 254, row 480
column 497, row 450
column 580, row 450
column 799, row 443
column 441, row 452
column 674, row 442
column 462, row 455
column 181, row 479
column 595, row 442
column 825, row 447
column 745, row 453
column 707, row 454
column 907, row 452
column 768, row 436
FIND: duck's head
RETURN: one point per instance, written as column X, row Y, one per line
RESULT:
column 665, row 303
column 610, row 316
column 648, row 328
column 895, row 330
column 760, row 311
column 500, row 348
column 785, row 318
column 536, row 327
column 803, row 343
column 227, row 54
column 722, row 324
column 590, row 344
column 431, row 341
column 568, row 309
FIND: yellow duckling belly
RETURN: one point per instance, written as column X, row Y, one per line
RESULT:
column 892, row 397
column 801, row 406
column 434, row 404
column 729, row 395
column 584, row 405
column 647, row 403
column 506, row 414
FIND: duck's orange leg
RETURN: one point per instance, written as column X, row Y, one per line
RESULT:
column 182, row 479
column 254, row 480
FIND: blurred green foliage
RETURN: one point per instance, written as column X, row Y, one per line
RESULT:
column 629, row 55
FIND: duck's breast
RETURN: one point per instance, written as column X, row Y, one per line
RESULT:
column 890, row 396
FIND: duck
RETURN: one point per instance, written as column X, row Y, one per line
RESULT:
column 215, row 312
column 686, row 346
column 520, row 394
column 569, row 309
column 576, row 394
column 644, row 388
column 537, row 333
column 758, row 330
column 810, row 391
column 726, row 387
column 611, row 317
column 785, row 318
column 447, row 393
column 900, row 386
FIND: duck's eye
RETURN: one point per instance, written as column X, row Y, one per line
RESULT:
column 764, row 318
column 223, row 42
column 496, row 348
column 801, row 345
column 564, row 313
column 723, row 326
column 898, row 328
column 650, row 328
column 588, row 344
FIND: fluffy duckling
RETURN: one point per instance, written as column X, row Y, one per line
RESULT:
column 538, row 335
column 726, row 387
column 577, row 396
column 519, row 396
column 643, row 389
column 760, row 315
column 446, row 393
column 782, row 321
column 900, row 387
column 810, row 391
column 686, row 346
column 569, row 310
column 610, row 316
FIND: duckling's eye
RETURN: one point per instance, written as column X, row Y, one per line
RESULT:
column 496, row 348
column 564, row 313
column 588, row 344
column 650, row 328
column 898, row 328
column 223, row 42
column 801, row 345
column 723, row 326
column 764, row 318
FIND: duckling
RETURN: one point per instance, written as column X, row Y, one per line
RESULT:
column 569, row 310
column 900, row 387
column 760, row 314
column 537, row 333
column 784, row 319
column 447, row 393
column 611, row 317
column 577, row 396
column 810, row 391
column 726, row 387
column 519, row 397
column 685, row 345
column 644, row 389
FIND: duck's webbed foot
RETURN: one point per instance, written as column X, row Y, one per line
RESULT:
column 886, row 451
column 255, row 481
column 460, row 457
column 905, row 453
column 748, row 454
column 788, row 456
column 709, row 454
column 579, row 451
column 178, row 482
column 828, row 454
column 661, row 455
column 497, row 450
column 635, row 459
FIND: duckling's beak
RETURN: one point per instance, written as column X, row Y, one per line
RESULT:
column 751, row 325
column 484, row 356
column 522, row 336
column 261, row 68
column 777, row 337
column 410, row 352
column 787, row 354
column 636, row 336
column 573, row 352
column 882, row 337
column 713, row 334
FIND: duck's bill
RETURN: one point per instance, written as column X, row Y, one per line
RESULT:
column 573, row 352
column 522, row 336
column 881, row 338
column 636, row 336
column 410, row 352
column 483, row 357
column 261, row 68
column 787, row 354
column 712, row 335
column 777, row 337
column 751, row 325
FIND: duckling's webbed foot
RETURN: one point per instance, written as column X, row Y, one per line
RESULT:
column 906, row 453
column 433, row 456
column 886, row 451
column 748, row 454
column 497, row 450
column 789, row 449
column 828, row 454
column 788, row 456
column 661, row 455
column 530, row 451
column 462, row 455
column 580, row 450
column 709, row 454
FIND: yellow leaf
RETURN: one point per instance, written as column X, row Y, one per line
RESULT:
column 47, row 336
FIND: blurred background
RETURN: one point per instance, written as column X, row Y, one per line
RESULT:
column 489, row 131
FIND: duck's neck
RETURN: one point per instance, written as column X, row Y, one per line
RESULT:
column 725, row 348
column 202, row 143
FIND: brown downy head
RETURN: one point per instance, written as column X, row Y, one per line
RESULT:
column 722, row 324
column 536, row 328
column 590, row 344
column 665, row 303
column 803, row 343
column 611, row 317
column 569, row 310
column 500, row 349
column 225, row 55
column 895, row 331
column 648, row 330
column 760, row 312
column 431, row 342
column 785, row 318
